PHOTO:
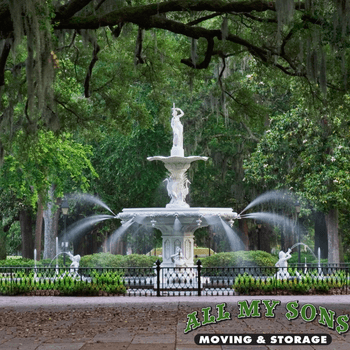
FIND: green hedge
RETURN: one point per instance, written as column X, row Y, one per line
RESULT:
column 240, row 258
column 307, row 284
column 94, row 260
column 19, row 262
column 110, row 260
column 27, row 283
column 231, row 259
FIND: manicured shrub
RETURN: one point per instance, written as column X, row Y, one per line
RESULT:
column 138, row 260
column 250, row 285
column 101, row 260
column 19, row 262
column 22, row 283
column 242, row 258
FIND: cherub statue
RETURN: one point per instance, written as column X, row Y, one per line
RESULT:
column 282, row 263
column 75, row 262
column 178, row 258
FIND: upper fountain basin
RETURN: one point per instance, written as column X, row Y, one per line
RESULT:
column 177, row 159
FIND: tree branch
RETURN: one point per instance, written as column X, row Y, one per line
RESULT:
column 68, row 10
column 140, row 14
column 202, row 19
column 205, row 63
column 99, row 4
column 251, row 135
column 3, row 58
column 89, row 73
column 138, row 48
column 258, row 19
column 70, row 44
column 67, row 108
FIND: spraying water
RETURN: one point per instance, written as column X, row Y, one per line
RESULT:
column 235, row 242
column 274, row 219
column 120, row 231
column 281, row 196
column 305, row 245
column 213, row 220
column 56, row 257
column 90, row 199
column 82, row 224
column 139, row 219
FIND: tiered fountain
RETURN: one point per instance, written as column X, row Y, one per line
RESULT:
column 177, row 221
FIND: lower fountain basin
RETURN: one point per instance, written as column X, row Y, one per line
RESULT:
column 144, row 216
column 177, row 226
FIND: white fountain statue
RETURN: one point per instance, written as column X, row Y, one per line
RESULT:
column 177, row 221
column 74, row 266
column 282, row 264
column 178, row 258
column 177, row 127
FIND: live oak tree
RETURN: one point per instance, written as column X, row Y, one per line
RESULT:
column 309, row 158
column 307, row 39
column 74, row 63
column 37, row 174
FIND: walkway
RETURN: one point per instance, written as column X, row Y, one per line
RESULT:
column 140, row 323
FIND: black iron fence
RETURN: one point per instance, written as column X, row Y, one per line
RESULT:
column 176, row 281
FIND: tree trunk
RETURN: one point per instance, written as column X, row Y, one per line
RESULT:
column 333, row 237
column 38, row 228
column 3, row 253
column 321, row 239
column 51, row 215
column 244, row 234
column 265, row 234
column 26, row 223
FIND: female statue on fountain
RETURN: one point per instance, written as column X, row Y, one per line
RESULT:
column 177, row 132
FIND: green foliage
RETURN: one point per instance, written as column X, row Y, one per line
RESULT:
column 101, row 260
column 247, row 284
column 110, row 260
column 19, row 262
column 306, row 155
column 65, row 285
column 309, row 258
column 2, row 243
column 98, row 260
column 240, row 259
column 35, row 164
column 14, row 239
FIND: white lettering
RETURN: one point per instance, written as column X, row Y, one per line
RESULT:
column 288, row 339
column 306, row 340
column 237, row 339
column 315, row 339
column 297, row 339
column 247, row 339
column 224, row 338
column 215, row 339
column 204, row 339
